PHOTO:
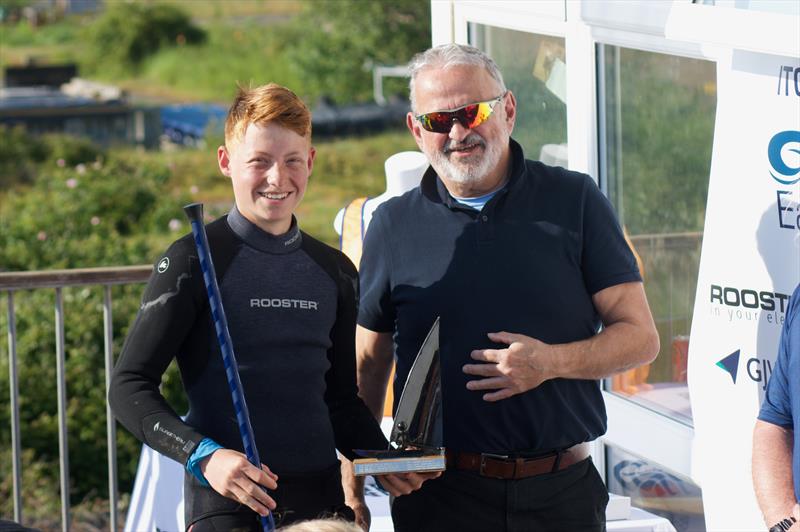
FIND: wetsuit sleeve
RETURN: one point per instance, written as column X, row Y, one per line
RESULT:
column 607, row 259
column 353, row 424
column 170, row 305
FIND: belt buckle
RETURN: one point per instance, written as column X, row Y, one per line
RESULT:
column 499, row 457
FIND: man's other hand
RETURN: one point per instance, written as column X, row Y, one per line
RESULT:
column 232, row 475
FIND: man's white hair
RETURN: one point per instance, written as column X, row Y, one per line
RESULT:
column 449, row 55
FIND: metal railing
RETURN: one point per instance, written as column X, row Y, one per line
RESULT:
column 58, row 280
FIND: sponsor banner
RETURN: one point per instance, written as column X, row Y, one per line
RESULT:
column 749, row 266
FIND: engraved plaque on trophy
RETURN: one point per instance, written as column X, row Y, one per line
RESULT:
column 416, row 443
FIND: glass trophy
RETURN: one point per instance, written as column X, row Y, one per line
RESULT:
column 415, row 443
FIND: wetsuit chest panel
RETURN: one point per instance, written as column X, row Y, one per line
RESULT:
column 280, row 311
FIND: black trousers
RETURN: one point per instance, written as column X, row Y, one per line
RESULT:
column 570, row 500
column 299, row 498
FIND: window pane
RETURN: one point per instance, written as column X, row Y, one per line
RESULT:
column 657, row 119
column 534, row 69
column 655, row 489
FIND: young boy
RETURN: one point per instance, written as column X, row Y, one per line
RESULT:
column 291, row 307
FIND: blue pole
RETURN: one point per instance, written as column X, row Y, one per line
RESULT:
column 194, row 212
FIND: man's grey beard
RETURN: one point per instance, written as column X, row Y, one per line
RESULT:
column 472, row 171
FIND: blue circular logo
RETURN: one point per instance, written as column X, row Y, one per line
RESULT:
column 786, row 175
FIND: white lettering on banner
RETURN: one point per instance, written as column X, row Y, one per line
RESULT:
column 749, row 263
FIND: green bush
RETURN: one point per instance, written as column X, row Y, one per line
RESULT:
column 106, row 211
column 128, row 33
column 21, row 155
column 332, row 46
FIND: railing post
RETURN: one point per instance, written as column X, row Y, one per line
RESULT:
column 63, row 448
column 16, row 445
column 58, row 279
column 111, row 425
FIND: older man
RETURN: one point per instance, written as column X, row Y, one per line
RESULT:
column 539, row 297
column 776, row 447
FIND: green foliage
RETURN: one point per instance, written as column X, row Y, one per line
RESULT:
column 668, row 126
column 244, row 54
column 87, row 215
column 12, row 8
column 105, row 210
column 14, row 4
column 327, row 49
column 333, row 45
column 24, row 34
column 345, row 169
column 128, row 33
column 19, row 155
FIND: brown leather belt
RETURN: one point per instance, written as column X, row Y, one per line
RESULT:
column 506, row 467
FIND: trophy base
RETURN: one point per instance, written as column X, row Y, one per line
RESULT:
column 383, row 462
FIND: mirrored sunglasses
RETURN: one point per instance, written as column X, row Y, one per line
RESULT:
column 469, row 116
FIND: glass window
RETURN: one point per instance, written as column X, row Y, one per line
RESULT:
column 656, row 125
column 534, row 69
column 655, row 489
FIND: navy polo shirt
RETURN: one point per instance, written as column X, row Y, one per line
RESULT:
column 527, row 263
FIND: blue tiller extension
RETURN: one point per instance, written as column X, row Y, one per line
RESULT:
column 194, row 212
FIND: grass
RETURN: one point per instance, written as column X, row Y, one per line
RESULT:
column 215, row 9
column 244, row 54
column 54, row 43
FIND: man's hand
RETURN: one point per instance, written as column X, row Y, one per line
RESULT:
column 232, row 475
column 354, row 494
column 522, row 366
column 398, row 484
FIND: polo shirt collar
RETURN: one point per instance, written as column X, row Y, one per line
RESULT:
column 434, row 189
column 259, row 239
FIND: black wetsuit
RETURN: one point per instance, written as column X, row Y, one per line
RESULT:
column 291, row 308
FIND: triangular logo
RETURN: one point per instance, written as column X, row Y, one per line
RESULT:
column 730, row 364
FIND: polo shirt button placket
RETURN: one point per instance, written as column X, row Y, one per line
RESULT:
column 484, row 218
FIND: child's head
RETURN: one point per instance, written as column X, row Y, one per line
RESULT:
column 267, row 154
column 269, row 103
